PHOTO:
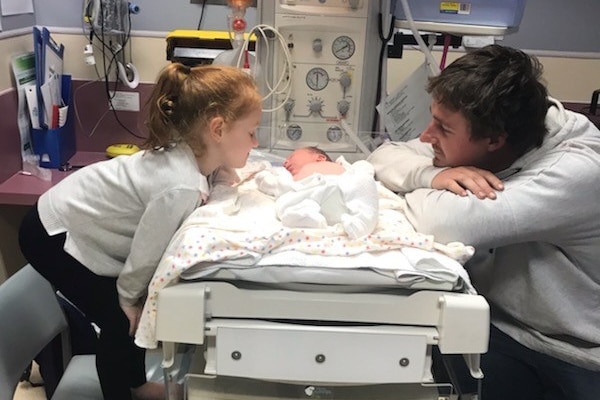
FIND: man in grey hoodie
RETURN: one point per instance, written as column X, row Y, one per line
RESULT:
column 507, row 169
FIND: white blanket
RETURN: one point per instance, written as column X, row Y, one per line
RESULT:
column 239, row 226
column 320, row 200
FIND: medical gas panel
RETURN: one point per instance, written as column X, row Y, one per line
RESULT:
column 333, row 46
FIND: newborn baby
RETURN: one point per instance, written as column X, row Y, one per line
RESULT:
column 306, row 161
column 312, row 191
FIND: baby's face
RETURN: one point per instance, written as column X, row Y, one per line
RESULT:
column 299, row 158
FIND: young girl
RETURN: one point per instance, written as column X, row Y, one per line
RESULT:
column 99, row 234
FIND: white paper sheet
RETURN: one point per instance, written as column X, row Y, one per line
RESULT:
column 23, row 66
column 406, row 110
column 15, row 7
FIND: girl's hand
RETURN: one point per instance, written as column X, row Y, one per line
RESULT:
column 133, row 314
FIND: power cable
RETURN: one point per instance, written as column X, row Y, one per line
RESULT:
column 110, row 50
column 201, row 14
column 384, row 44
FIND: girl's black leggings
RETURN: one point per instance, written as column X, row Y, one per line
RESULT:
column 120, row 363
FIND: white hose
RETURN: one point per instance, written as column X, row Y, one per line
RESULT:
column 433, row 66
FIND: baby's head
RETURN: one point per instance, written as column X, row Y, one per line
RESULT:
column 302, row 156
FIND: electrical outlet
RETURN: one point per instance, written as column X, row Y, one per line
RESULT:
column 125, row 101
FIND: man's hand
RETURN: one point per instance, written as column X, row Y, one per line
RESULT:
column 480, row 182
column 133, row 314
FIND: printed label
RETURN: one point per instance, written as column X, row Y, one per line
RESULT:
column 464, row 8
column 451, row 7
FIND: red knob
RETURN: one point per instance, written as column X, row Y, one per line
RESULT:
column 239, row 24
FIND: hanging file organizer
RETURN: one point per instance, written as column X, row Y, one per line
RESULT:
column 56, row 146
column 53, row 137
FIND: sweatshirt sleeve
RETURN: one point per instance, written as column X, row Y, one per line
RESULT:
column 404, row 166
column 525, row 211
column 452, row 218
column 158, row 224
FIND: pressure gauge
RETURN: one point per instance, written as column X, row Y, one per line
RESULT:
column 334, row 133
column 317, row 78
column 343, row 47
column 294, row 132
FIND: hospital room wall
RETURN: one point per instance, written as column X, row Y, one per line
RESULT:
column 563, row 34
column 10, row 215
column 570, row 78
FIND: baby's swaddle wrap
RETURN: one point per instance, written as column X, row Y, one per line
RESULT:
column 320, row 200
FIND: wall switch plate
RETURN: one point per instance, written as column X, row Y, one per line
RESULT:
column 125, row 101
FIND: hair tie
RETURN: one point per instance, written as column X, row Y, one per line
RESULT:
column 168, row 106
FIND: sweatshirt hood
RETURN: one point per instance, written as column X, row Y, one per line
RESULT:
column 562, row 125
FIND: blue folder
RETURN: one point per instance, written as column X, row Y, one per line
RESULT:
column 48, row 62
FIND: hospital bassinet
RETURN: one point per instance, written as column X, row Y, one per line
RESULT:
column 276, row 316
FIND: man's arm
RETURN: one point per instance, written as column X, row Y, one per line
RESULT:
column 453, row 218
column 540, row 205
column 404, row 166
column 459, row 180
